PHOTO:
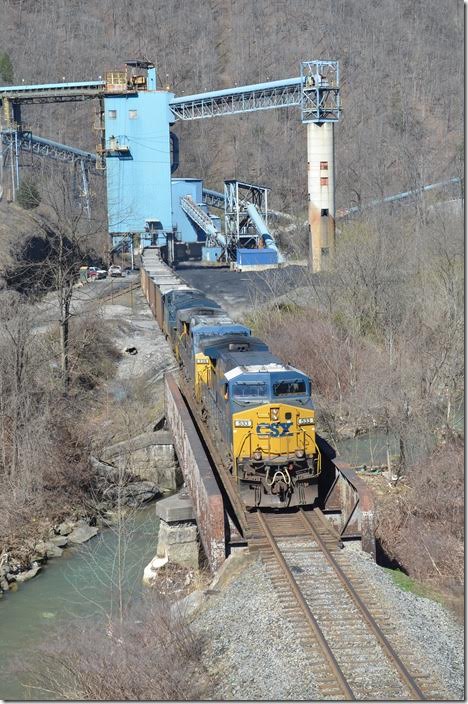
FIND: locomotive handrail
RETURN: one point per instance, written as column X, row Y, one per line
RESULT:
column 274, row 433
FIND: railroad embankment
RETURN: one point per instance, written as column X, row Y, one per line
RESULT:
column 116, row 458
column 252, row 647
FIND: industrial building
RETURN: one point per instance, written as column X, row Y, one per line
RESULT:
column 138, row 153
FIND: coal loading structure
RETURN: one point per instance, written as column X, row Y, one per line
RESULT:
column 138, row 153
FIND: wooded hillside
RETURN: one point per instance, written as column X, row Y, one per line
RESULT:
column 381, row 335
column 401, row 67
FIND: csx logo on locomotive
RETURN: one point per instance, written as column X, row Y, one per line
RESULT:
column 274, row 430
column 258, row 410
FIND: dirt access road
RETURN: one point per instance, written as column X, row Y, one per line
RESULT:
column 84, row 298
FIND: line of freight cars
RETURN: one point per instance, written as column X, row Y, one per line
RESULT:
column 257, row 409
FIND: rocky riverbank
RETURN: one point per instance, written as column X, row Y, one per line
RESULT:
column 128, row 469
column 23, row 559
column 24, row 562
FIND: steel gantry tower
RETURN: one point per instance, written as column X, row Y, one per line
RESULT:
column 15, row 137
column 135, row 148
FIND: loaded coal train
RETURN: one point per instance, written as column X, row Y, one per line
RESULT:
column 257, row 410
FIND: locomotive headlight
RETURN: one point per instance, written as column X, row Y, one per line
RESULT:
column 242, row 423
column 300, row 454
column 274, row 413
column 257, row 455
column 306, row 421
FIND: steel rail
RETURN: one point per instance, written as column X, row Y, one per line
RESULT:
column 119, row 292
column 310, row 618
column 407, row 679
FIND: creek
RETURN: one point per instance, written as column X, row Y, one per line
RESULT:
column 371, row 448
column 80, row 584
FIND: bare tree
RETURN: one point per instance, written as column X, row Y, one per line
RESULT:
column 67, row 238
column 17, row 343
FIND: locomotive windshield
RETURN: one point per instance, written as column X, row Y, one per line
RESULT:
column 252, row 389
column 290, row 387
column 220, row 332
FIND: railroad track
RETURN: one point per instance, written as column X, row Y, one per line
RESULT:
column 134, row 286
column 352, row 656
column 350, row 639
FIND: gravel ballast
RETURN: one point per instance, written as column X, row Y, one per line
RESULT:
column 436, row 639
column 252, row 651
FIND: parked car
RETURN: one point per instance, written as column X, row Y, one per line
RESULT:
column 95, row 272
column 115, row 270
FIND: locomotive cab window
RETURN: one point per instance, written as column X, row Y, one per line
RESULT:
column 291, row 387
column 252, row 389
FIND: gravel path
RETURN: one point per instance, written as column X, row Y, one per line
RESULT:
column 252, row 650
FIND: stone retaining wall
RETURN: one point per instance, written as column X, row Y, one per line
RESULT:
column 149, row 456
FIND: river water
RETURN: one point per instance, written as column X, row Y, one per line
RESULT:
column 371, row 448
column 82, row 583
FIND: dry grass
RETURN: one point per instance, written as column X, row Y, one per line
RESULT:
column 150, row 653
column 53, row 479
column 345, row 369
column 45, row 438
column 422, row 524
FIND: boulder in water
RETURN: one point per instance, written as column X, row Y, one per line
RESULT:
column 64, row 528
column 28, row 574
column 59, row 540
column 82, row 533
column 53, row 550
column 47, row 548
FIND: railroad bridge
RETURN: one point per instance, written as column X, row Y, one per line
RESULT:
column 223, row 523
